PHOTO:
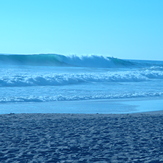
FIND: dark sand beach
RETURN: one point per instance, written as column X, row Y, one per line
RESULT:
column 81, row 138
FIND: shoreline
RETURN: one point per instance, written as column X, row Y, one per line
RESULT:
column 160, row 112
column 38, row 137
column 105, row 106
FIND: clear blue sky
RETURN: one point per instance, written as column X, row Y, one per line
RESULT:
column 130, row 29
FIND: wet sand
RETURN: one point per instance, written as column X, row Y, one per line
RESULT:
column 81, row 138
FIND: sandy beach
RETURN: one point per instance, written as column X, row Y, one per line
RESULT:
column 81, row 138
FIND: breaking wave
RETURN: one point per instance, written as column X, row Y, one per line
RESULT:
column 61, row 60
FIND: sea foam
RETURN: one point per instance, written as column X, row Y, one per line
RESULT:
column 68, row 79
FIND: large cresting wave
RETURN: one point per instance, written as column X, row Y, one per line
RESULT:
column 62, row 60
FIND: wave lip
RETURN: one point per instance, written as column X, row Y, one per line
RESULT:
column 96, row 61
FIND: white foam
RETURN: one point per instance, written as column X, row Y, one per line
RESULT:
column 77, row 78
column 78, row 97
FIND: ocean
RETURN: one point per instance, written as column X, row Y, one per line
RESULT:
column 51, row 83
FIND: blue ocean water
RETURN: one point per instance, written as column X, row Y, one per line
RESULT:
column 51, row 82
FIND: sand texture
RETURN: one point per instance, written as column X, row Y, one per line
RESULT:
column 79, row 138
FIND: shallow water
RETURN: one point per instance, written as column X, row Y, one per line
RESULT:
column 122, row 106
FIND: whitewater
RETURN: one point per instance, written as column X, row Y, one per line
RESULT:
column 51, row 83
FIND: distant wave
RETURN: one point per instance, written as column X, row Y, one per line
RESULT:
column 68, row 79
column 61, row 60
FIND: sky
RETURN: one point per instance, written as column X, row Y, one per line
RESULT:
column 126, row 29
